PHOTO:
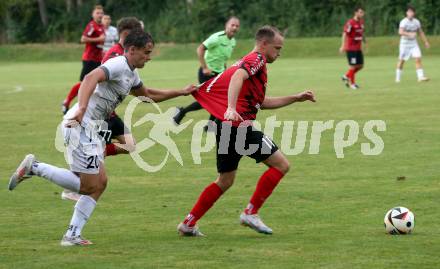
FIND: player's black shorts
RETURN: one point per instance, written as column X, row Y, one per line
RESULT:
column 242, row 141
column 115, row 127
column 203, row 77
column 355, row 57
column 88, row 67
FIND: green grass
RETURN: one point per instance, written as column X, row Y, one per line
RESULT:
column 326, row 213
column 294, row 48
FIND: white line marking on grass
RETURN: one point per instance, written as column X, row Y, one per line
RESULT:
column 16, row 89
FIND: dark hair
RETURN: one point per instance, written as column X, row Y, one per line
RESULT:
column 128, row 23
column 267, row 32
column 411, row 7
column 138, row 38
column 356, row 8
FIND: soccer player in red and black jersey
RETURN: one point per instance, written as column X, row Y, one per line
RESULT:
column 352, row 39
column 234, row 98
column 93, row 36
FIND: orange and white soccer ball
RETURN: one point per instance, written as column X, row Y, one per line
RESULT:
column 399, row 220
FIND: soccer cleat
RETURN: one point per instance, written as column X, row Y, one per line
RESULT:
column 346, row 81
column 397, row 80
column 178, row 116
column 75, row 241
column 23, row 172
column 185, row 230
column 254, row 222
column 70, row 195
column 423, row 79
column 354, row 86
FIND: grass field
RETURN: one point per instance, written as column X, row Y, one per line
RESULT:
column 326, row 213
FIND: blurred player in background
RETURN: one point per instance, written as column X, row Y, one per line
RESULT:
column 111, row 33
column 352, row 39
column 101, row 92
column 408, row 29
column 213, row 54
column 234, row 98
column 93, row 36
column 116, row 128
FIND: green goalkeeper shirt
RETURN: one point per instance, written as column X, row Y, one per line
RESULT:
column 218, row 50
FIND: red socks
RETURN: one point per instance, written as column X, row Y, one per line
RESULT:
column 110, row 149
column 206, row 200
column 72, row 94
column 350, row 74
column 267, row 183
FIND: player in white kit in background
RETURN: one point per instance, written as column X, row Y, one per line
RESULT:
column 101, row 92
column 409, row 48
column 111, row 33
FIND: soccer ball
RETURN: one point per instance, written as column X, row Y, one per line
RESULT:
column 399, row 220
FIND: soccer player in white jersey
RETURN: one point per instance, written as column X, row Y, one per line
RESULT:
column 408, row 29
column 111, row 33
column 101, row 92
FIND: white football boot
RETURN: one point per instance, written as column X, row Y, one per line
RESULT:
column 423, row 79
column 185, row 230
column 254, row 222
column 23, row 172
column 75, row 241
column 70, row 195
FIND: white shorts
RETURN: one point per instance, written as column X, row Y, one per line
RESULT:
column 408, row 51
column 84, row 149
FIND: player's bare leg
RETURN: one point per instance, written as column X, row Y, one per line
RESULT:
column 126, row 144
column 419, row 69
column 399, row 70
column 278, row 167
column 90, row 185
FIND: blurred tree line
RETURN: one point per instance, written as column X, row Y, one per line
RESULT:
column 24, row 21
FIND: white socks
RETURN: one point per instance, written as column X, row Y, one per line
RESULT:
column 82, row 212
column 398, row 74
column 420, row 73
column 60, row 176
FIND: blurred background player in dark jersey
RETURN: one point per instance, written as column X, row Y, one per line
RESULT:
column 115, row 128
column 111, row 33
column 93, row 36
column 352, row 39
column 213, row 54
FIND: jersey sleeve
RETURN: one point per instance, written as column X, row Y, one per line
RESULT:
column 347, row 27
column 419, row 25
column 253, row 63
column 113, row 68
column 89, row 30
column 211, row 42
column 137, row 83
column 402, row 23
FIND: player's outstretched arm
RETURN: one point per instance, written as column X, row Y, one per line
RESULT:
column 277, row 102
column 162, row 95
column 233, row 91
column 86, row 89
column 341, row 49
column 424, row 39
column 86, row 39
